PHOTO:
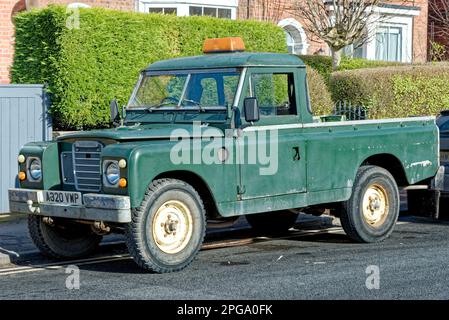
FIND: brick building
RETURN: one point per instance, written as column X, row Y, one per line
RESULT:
column 438, row 30
column 403, row 37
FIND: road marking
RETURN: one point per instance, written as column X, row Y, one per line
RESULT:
column 206, row 246
column 56, row 266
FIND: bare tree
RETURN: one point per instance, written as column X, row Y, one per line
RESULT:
column 439, row 14
column 338, row 23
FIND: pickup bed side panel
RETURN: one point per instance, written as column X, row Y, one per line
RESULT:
column 334, row 153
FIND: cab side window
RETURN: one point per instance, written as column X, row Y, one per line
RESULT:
column 275, row 93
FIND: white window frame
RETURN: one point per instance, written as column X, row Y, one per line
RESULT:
column 405, row 23
column 183, row 6
column 396, row 18
column 292, row 23
column 162, row 7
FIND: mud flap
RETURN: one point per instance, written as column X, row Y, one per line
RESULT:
column 426, row 202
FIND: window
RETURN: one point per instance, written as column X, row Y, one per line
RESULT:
column 213, row 89
column 389, row 43
column 295, row 36
column 291, row 43
column 444, row 126
column 187, row 90
column 212, row 8
column 224, row 13
column 210, row 11
column 210, row 92
column 163, row 10
column 274, row 93
column 196, row 11
column 352, row 52
column 155, row 90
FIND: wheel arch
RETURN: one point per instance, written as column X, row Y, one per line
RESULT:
column 390, row 163
column 199, row 185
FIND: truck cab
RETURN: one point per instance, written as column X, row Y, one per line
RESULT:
column 218, row 136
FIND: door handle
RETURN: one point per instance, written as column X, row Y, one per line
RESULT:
column 296, row 155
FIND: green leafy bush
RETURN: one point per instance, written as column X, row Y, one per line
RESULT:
column 395, row 91
column 323, row 64
column 320, row 97
column 88, row 66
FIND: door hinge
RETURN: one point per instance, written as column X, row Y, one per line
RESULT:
column 241, row 189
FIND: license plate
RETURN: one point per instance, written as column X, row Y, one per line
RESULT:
column 444, row 156
column 63, row 197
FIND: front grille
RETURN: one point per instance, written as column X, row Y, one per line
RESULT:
column 86, row 165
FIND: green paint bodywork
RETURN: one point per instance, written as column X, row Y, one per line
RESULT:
column 49, row 155
column 228, row 60
column 317, row 163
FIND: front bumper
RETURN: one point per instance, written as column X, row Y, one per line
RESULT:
column 96, row 207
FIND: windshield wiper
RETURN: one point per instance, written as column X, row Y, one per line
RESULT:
column 151, row 108
column 196, row 104
column 182, row 107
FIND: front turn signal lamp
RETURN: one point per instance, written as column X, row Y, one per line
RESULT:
column 122, row 183
column 22, row 176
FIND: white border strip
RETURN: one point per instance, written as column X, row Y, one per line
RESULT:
column 375, row 121
column 338, row 123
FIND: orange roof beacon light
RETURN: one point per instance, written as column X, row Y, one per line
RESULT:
column 222, row 45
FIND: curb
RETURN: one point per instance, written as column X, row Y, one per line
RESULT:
column 5, row 259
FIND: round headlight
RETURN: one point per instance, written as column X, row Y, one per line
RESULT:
column 35, row 169
column 112, row 173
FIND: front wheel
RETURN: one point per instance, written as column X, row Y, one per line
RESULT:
column 167, row 230
column 62, row 239
column 371, row 212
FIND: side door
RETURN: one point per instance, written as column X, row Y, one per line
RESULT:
column 271, row 151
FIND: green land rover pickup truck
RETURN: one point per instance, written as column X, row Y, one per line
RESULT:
column 215, row 137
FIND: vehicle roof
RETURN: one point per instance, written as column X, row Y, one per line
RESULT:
column 228, row 60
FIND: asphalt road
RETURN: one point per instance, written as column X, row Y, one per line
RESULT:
column 319, row 263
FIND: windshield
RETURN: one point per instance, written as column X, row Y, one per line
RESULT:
column 186, row 90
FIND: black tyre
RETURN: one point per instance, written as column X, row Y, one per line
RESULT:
column 272, row 222
column 373, row 209
column 62, row 239
column 167, row 230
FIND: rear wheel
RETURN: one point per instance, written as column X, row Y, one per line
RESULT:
column 373, row 209
column 62, row 239
column 272, row 222
column 167, row 230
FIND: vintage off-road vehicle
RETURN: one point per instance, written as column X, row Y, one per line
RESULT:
column 217, row 136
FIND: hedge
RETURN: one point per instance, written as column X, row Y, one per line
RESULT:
column 323, row 64
column 320, row 97
column 395, row 91
column 85, row 68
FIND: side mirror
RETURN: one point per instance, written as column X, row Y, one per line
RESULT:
column 251, row 110
column 114, row 111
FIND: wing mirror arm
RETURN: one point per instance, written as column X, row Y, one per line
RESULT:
column 117, row 117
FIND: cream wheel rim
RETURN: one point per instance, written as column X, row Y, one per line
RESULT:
column 375, row 205
column 172, row 226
